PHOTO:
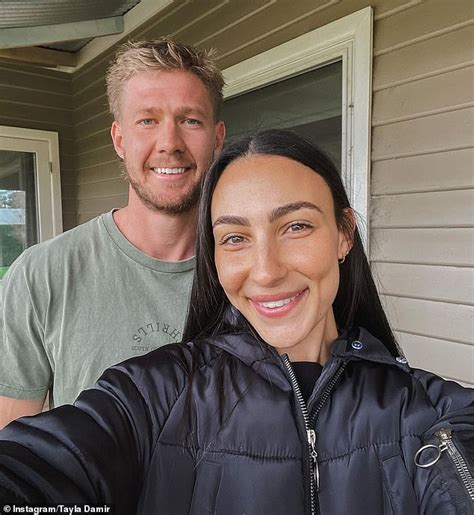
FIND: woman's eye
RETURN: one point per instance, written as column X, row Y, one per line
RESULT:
column 232, row 239
column 298, row 227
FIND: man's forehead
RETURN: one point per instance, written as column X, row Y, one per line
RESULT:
column 179, row 109
column 149, row 89
column 166, row 79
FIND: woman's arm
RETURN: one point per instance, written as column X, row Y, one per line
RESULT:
column 91, row 453
column 444, row 463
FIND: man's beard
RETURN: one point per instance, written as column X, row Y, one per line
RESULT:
column 156, row 203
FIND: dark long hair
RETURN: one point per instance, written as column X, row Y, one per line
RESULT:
column 357, row 302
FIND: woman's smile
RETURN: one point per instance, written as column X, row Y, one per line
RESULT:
column 277, row 245
column 277, row 305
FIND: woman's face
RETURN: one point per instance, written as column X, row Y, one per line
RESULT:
column 277, row 246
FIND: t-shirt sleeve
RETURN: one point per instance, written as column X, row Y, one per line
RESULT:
column 25, row 371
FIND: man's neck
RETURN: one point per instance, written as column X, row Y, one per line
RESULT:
column 158, row 234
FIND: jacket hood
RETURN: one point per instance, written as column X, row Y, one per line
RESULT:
column 358, row 344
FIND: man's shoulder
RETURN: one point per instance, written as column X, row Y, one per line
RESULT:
column 48, row 258
column 76, row 239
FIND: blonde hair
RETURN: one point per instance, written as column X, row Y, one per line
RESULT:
column 162, row 54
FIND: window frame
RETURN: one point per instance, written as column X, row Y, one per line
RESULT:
column 349, row 40
column 45, row 144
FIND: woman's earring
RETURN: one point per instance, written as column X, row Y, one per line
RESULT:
column 342, row 259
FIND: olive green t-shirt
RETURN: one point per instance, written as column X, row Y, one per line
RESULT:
column 83, row 301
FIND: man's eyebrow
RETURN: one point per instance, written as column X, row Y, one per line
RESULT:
column 196, row 110
column 182, row 111
column 231, row 220
column 289, row 208
column 145, row 110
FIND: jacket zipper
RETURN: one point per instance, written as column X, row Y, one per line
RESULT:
column 458, row 460
column 324, row 397
column 447, row 444
column 311, row 433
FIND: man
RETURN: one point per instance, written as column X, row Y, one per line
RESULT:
column 118, row 285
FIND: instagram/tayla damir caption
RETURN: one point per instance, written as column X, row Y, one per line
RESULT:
column 60, row 508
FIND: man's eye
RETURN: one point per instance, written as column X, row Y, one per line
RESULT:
column 147, row 121
column 193, row 122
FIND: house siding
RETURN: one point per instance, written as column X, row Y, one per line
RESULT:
column 212, row 24
column 421, row 238
column 36, row 98
column 422, row 193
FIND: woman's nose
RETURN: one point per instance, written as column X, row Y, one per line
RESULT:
column 269, row 266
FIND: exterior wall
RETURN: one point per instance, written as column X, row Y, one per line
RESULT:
column 212, row 24
column 97, row 168
column 421, row 188
column 35, row 98
column 422, row 181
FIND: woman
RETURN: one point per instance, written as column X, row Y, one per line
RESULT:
column 238, row 421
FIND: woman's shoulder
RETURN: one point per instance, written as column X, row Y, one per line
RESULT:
column 446, row 396
column 377, row 369
column 151, row 383
column 169, row 363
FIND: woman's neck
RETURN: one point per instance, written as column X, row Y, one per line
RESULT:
column 318, row 348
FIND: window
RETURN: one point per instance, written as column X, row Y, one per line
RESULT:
column 310, row 104
column 30, row 194
column 319, row 84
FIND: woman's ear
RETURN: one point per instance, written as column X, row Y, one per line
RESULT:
column 346, row 232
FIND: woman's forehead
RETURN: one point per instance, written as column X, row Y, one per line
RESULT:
column 263, row 181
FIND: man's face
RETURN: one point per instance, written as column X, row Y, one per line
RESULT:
column 167, row 137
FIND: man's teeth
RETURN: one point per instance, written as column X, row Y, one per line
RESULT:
column 169, row 171
column 277, row 303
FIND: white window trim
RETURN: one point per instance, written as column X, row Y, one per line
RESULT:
column 48, row 180
column 349, row 39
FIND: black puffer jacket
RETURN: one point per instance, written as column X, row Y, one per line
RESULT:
column 144, row 442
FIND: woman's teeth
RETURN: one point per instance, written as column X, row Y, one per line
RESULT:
column 277, row 303
column 169, row 171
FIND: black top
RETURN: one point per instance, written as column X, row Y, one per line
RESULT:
column 232, row 442
column 307, row 373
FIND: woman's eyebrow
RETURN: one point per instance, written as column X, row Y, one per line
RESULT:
column 289, row 208
column 231, row 220
column 276, row 213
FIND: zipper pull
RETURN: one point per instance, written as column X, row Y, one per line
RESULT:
column 447, row 444
column 438, row 449
column 444, row 436
column 311, row 433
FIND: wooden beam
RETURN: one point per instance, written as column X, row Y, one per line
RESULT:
column 17, row 37
column 39, row 56
column 133, row 19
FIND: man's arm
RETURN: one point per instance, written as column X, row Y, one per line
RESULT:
column 25, row 371
column 11, row 409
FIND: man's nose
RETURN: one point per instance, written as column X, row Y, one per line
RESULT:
column 169, row 138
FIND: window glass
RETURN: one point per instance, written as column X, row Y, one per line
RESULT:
column 18, row 206
column 309, row 103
